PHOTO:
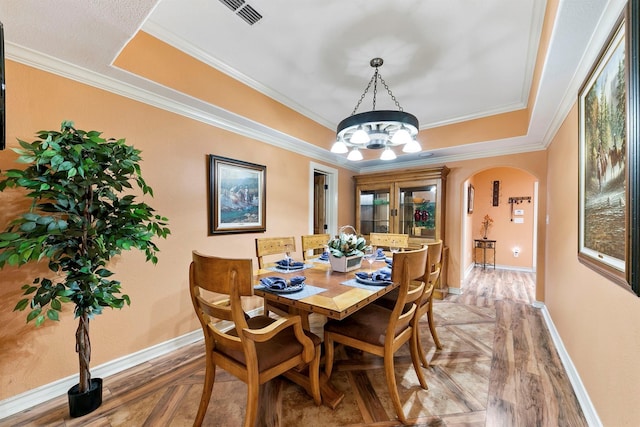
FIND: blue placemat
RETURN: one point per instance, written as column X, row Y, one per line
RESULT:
column 307, row 291
column 284, row 270
column 356, row 284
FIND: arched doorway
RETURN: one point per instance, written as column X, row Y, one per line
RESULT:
column 507, row 197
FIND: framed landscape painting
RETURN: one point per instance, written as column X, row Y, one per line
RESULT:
column 237, row 196
column 603, row 169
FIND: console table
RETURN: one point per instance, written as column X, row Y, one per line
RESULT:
column 481, row 246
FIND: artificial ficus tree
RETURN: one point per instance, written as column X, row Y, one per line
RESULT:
column 84, row 211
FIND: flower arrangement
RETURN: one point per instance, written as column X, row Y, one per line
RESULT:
column 347, row 244
column 486, row 223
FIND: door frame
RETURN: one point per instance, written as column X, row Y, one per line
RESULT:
column 331, row 198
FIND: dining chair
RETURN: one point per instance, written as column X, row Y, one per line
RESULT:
column 266, row 246
column 425, row 303
column 254, row 349
column 435, row 261
column 389, row 240
column 313, row 242
column 377, row 330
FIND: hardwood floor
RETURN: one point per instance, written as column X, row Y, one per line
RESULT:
column 498, row 367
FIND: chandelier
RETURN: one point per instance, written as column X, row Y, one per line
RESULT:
column 377, row 129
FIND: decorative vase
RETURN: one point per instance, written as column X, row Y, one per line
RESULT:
column 417, row 215
column 83, row 403
column 424, row 215
column 345, row 263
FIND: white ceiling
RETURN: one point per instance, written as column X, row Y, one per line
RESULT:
column 445, row 61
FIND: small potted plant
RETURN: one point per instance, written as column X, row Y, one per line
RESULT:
column 83, row 213
column 346, row 250
column 486, row 223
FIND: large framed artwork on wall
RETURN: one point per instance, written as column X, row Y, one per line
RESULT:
column 608, row 156
column 237, row 196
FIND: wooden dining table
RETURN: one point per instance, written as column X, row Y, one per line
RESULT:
column 330, row 297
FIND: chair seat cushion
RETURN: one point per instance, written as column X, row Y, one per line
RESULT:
column 368, row 324
column 388, row 300
column 280, row 348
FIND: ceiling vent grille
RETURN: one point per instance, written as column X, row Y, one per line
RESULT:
column 244, row 11
column 249, row 14
column 232, row 4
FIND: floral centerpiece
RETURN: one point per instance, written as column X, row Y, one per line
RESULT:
column 486, row 223
column 346, row 250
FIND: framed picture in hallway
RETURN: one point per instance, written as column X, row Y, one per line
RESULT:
column 471, row 195
column 605, row 160
column 237, row 196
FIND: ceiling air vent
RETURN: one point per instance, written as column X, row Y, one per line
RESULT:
column 244, row 11
column 232, row 4
column 249, row 14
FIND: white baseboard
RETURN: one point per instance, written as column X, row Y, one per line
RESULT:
column 58, row 388
column 41, row 394
column 581, row 393
column 455, row 291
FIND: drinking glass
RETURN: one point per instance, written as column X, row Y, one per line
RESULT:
column 287, row 254
column 370, row 256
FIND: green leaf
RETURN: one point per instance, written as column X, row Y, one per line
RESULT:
column 52, row 314
column 56, row 305
column 9, row 236
column 103, row 272
column 14, row 259
column 39, row 320
column 21, row 305
column 28, row 226
column 34, row 313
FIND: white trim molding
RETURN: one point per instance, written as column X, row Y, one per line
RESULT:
column 578, row 387
column 58, row 388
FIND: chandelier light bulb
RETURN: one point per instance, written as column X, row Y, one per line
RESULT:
column 360, row 137
column 412, row 146
column 402, row 136
column 339, row 147
column 355, row 155
column 387, row 154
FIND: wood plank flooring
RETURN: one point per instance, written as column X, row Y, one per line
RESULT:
column 498, row 367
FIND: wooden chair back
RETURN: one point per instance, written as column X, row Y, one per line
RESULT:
column 313, row 242
column 435, row 254
column 272, row 246
column 256, row 349
column 409, row 268
column 389, row 240
column 230, row 277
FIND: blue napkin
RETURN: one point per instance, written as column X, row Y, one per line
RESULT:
column 274, row 282
column 324, row 256
column 382, row 275
column 296, row 280
column 295, row 264
column 380, row 255
column 389, row 261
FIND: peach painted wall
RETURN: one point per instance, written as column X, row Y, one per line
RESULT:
column 599, row 321
column 506, row 233
column 174, row 149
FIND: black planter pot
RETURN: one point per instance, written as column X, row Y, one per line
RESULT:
column 83, row 403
